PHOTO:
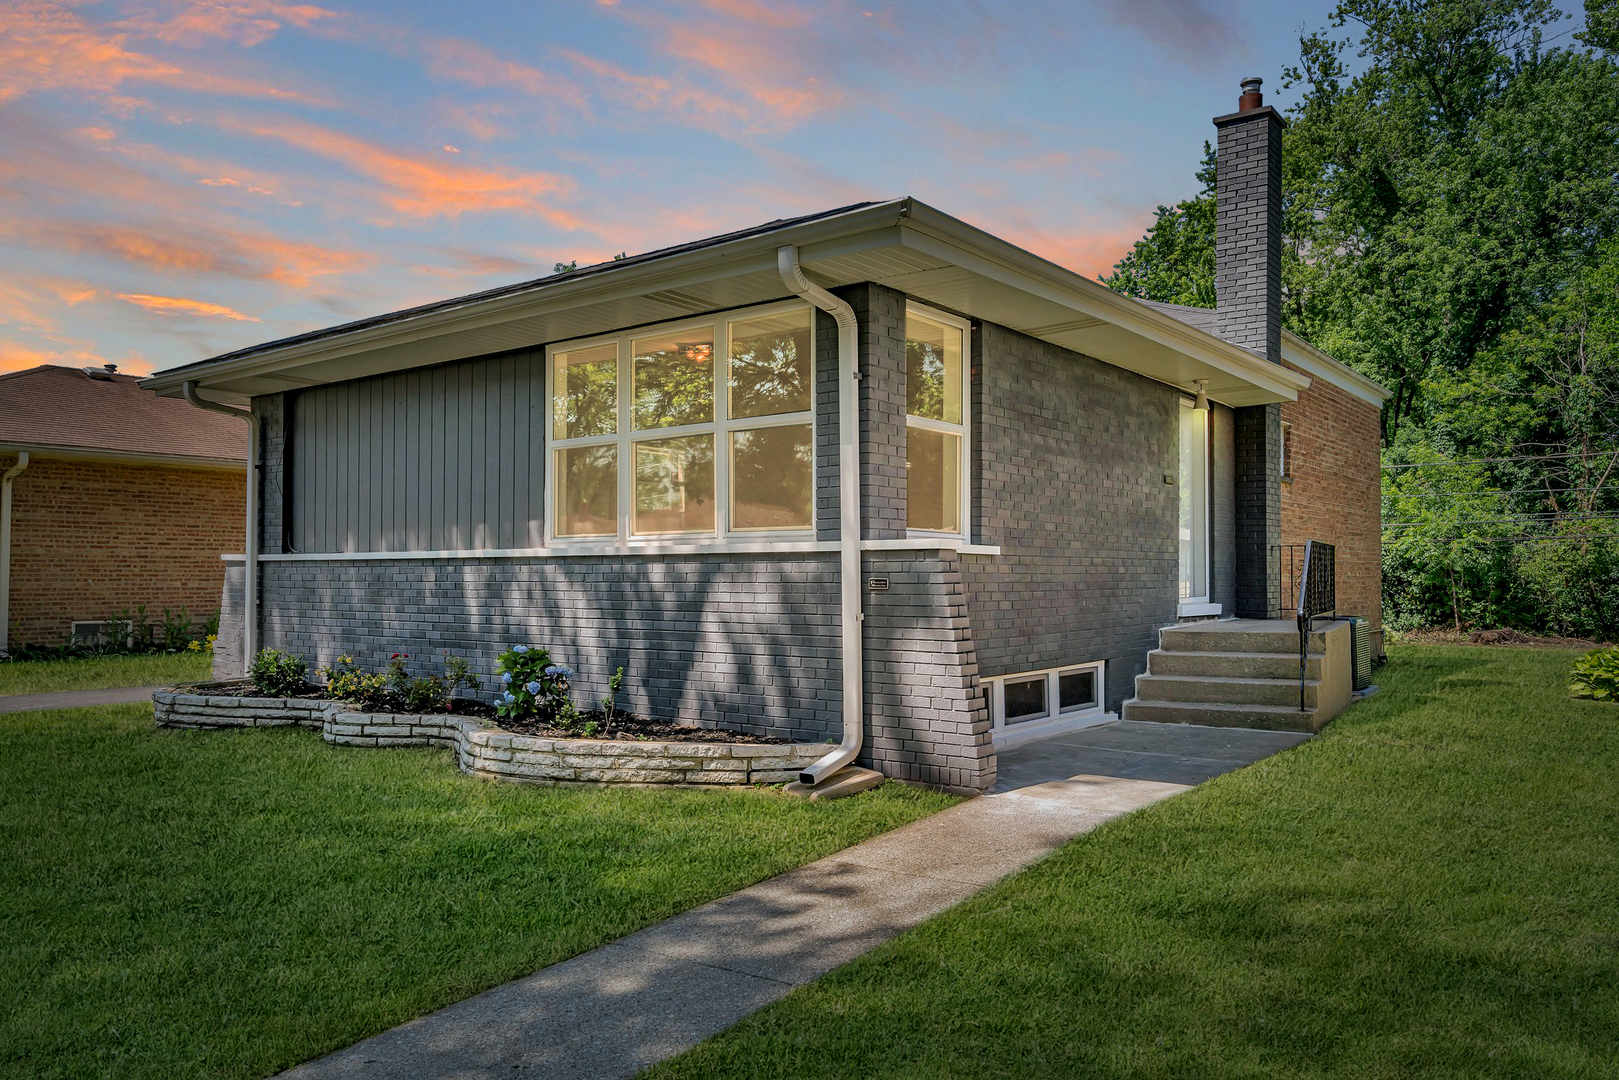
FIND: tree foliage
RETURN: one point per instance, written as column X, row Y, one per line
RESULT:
column 1450, row 209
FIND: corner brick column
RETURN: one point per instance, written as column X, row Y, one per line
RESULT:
column 1258, row 510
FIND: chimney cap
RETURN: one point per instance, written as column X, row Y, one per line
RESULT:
column 1251, row 97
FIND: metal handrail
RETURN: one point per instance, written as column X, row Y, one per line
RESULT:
column 1317, row 595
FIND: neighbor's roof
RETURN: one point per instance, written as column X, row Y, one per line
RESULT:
column 62, row 408
column 903, row 244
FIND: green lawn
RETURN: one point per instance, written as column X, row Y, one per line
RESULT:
column 229, row 903
column 100, row 672
column 1429, row 889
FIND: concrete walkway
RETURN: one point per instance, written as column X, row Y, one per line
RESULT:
column 615, row 1010
column 77, row 699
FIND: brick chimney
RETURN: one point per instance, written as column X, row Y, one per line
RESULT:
column 1248, row 302
column 1248, row 225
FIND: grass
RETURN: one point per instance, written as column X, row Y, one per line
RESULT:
column 1429, row 889
column 100, row 672
column 229, row 903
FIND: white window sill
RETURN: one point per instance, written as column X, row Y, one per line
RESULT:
column 651, row 549
column 1187, row 610
column 1012, row 735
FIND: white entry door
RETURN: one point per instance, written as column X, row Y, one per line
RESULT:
column 1194, row 508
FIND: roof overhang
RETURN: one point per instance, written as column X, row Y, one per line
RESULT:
column 122, row 457
column 903, row 244
column 1318, row 365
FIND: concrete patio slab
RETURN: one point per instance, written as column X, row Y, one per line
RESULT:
column 77, row 699
column 615, row 1010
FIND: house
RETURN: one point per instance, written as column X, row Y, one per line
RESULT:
column 111, row 498
column 871, row 474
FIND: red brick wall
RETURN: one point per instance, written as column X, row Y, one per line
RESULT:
column 1335, row 493
column 88, row 538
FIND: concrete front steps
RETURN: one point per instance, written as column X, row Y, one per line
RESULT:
column 1241, row 673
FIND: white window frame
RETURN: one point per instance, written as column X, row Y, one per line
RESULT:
column 964, row 429
column 1284, row 471
column 1198, row 605
column 720, row 428
column 1055, row 718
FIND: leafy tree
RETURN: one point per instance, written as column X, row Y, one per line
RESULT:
column 1174, row 262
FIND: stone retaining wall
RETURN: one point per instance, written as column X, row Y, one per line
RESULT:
column 496, row 754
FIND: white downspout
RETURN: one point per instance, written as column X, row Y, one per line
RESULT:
column 5, row 548
column 854, row 711
column 250, row 587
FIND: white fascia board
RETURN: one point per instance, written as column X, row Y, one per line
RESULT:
column 1319, row 365
column 754, row 254
column 124, row 457
column 946, row 238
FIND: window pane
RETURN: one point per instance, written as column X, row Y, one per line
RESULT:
column 772, row 478
column 932, row 370
column 1076, row 690
column 584, row 392
column 770, row 365
column 674, row 379
column 587, row 491
column 1025, row 699
column 674, row 485
column 933, row 480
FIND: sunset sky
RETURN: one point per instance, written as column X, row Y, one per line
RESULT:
column 178, row 179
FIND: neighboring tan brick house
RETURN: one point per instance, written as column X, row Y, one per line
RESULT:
column 124, row 498
column 875, row 434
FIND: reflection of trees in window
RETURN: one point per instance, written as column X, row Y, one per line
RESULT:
column 773, row 477
column 674, row 485
column 587, row 398
column 924, row 379
column 770, row 374
column 674, row 383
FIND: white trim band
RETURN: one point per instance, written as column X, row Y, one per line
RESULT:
column 577, row 551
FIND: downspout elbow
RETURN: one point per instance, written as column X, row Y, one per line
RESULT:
column 854, row 710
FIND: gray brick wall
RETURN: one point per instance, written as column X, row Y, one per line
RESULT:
column 1257, row 438
column 828, row 504
column 881, row 312
column 272, row 414
column 228, row 645
column 1070, row 455
column 928, row 722
column 1223, row 509
column 1248, row 231
column 750, row 642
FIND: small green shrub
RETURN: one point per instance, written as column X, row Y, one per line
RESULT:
column 395, row 689
column 1596, row 675
column 278, row 674
column 348, row 681
column 176, row 629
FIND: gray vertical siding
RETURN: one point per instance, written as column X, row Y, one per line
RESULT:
column 445, row 458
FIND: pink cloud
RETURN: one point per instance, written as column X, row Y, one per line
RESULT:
column 420, row 186
column 180, row 305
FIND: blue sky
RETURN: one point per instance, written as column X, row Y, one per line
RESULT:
column 183, row 177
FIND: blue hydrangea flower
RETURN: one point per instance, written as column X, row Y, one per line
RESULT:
column 506, row 678
column 519, row 649
column 509, row 697
column 533, row 687
column 557, row 669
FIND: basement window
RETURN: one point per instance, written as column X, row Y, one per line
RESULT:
column 1063, row 693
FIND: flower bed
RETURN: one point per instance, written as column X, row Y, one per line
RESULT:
column 481, row 750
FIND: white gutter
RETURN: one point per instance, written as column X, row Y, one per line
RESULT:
column 250, row 587
column 5, row 548
column 854, row 709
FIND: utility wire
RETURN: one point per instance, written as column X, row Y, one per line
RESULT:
column 1524, row 539
column 1489, row 494
column 1496, row 460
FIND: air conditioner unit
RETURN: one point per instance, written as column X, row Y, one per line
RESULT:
column 1360, row 635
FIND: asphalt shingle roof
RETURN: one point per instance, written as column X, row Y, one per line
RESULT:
column 50, row 406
